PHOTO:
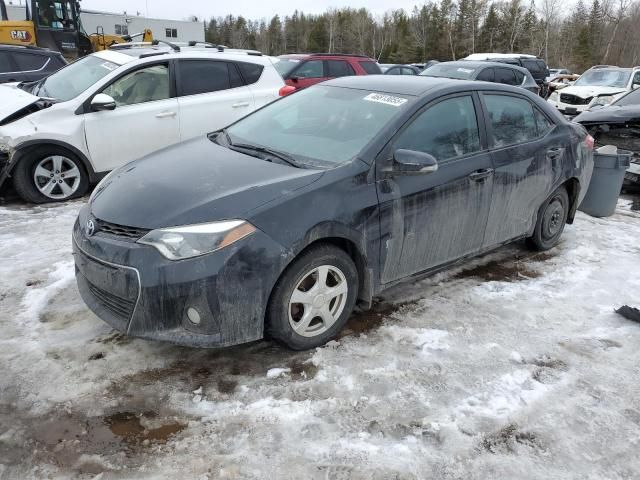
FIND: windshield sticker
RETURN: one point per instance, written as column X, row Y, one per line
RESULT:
column 386, row 99
column 465, row 70
column 109, row 66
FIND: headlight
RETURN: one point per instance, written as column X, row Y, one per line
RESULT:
column 602, row 100
column 177, row 243
column 554, row 97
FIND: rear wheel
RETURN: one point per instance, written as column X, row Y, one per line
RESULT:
column 552, row 218
column 50, row 174
column 313, row 299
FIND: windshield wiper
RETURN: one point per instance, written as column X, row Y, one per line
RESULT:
column 268, row 151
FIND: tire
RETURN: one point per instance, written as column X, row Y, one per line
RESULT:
column 323, row 313
column 552, row 217
column 50, row 174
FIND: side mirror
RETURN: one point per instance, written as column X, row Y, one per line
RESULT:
column 102, row 102
column 411, row 162
column 294, row 79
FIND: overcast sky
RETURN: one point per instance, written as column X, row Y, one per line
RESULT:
column 253, row 9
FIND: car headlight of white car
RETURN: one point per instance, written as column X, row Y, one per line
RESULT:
column 554, row 97
column 602, row 100
column 178, row 243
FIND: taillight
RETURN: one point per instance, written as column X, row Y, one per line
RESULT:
column 286, row 90
column 589, row 142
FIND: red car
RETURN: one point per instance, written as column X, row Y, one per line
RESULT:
column 303, row 70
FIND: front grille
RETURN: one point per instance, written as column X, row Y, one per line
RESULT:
column 574, row 100
column 118, row 306
column 122, row 231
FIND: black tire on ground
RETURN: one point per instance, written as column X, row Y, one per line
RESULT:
column 25, row 183
column 552, row 217
column 281, row 314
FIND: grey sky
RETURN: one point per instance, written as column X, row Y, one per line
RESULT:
column 254, row 9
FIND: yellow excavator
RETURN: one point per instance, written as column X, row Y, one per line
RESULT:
column 55, row 24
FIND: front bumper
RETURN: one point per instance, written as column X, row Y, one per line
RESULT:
column 137, row 291
column 568, row 109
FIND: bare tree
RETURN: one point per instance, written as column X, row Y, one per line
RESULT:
column 623, row 6
column 548, row 10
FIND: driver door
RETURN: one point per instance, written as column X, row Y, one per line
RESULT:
column 146, row 118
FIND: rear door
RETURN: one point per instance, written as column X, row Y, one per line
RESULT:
column 145, row 118
column 431, row 219
column 505, row 76
column 339, row 68
column 211, row 95
column 527, row 150
column 308, row 73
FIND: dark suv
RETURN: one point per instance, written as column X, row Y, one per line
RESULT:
column 28, row 64
column 536, row 66
column 304, row 70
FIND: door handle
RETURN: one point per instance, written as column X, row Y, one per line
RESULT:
column 555, row 153
column 481, row 174
column 240, row 104
column 165, row 114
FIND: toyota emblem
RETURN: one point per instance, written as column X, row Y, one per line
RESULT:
column 90, row 228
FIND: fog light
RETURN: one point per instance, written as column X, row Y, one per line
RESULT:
column 193, row 315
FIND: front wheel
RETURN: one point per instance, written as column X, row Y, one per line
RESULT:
column 50, row 174
column 552, row 218
column 313, row 299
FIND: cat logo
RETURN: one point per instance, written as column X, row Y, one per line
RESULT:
column 21, row 35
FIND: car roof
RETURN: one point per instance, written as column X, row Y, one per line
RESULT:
column 482, row 56
column 481, row 63
column 300, row 56
column 123, row 56
column 29, row 49
column 413, row 85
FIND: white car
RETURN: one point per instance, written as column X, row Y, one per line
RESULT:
column 64, row 133
column 596, row 86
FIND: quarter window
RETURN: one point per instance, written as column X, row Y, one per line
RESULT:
column 203, row 76
column 448, row 129
column 339, row 68
column 512, row 120
column 506, row 76
column 310, row 69
column 144, row 85
column 371, row 68
column 251, row 72
column 27, row 62
column 486, row 75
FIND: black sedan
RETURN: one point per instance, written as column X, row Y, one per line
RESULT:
column 281, row 222
column 484, row 71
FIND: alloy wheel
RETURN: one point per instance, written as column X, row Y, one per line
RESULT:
column 57, row 177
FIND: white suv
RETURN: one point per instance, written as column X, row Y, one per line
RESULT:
column 599, row 85
column 62, row 134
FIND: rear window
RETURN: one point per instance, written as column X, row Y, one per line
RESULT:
column 461, row 72
column 372, row 68
column 251, row 71
column 339, row 68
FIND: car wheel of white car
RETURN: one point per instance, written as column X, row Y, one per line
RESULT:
column 50, row 174
column 313, row 299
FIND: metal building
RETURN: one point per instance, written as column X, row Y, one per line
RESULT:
column 125, row 24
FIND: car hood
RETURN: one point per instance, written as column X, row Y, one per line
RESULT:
column 592, row 91
column 193, row 182
column 13, row 99
column 612, row 114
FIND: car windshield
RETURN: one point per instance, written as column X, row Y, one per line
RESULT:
column 285, row 65
column 75, row 78
column 604, row 78
column 461, row 72
column 320, row 126
column 631, row 98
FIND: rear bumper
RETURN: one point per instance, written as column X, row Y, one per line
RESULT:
column 140, row 293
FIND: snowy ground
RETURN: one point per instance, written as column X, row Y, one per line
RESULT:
column 513, row 366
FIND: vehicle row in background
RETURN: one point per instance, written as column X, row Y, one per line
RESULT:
column 484, row 71
column 60, row 134
column 536, row 66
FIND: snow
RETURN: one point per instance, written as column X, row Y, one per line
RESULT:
column 528, row 376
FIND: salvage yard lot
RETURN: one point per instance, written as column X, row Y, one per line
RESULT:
column 510, row 366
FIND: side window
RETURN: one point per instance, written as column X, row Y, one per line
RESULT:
column 636, row 78
column 408, row 71
column 371, row 68
column 27, row 62
column 6, row 65
column 394, row 71
column 505, row 75
column 250, row 71
column 512, row 120
column 519, row 77
column 203, row 76
column 486, row 75
column 310, row 69
column 144, row 85
column 542, row 123
column 448, row 129
column 339, row 68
